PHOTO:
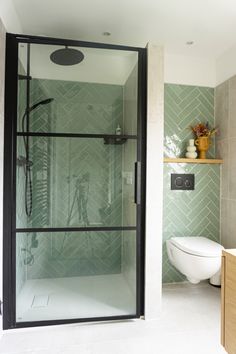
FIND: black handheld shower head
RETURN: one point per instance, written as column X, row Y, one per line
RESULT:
column 46, row 101
column 27, row 162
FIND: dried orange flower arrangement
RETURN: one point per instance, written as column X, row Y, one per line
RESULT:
column 202, row 129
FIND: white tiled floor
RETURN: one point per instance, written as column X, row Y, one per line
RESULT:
column 189, row 324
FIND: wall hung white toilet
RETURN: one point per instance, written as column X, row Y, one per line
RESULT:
column 196, row 257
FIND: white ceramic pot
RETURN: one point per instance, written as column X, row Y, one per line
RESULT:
column 191, row 150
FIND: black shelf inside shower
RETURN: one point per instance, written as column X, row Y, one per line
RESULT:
column 109, row 140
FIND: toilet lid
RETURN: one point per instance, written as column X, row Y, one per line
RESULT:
column 198, row 245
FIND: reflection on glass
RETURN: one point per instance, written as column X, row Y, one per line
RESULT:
column 93, row 273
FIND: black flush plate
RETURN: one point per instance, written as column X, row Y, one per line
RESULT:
column 182, row 181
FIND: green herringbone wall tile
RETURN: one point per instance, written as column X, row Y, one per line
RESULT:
column 188, row 213
column 78, row 107
column 186, row 106
column 59, row 164
column 75, row 254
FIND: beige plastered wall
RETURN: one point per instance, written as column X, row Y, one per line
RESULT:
column 154, row 191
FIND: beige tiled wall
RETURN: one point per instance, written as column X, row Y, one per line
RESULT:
column 225, row 109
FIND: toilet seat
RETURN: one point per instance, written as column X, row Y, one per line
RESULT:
column 198, row 246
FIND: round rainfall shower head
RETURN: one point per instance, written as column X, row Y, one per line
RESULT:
column 67, row 56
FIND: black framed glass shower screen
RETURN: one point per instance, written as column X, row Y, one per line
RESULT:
column 74, row 191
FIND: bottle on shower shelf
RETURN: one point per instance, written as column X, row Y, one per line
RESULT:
column 118, row 131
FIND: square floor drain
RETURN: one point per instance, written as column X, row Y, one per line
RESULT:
column 40, row 301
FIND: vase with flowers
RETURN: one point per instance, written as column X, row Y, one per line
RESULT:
column 203, row 133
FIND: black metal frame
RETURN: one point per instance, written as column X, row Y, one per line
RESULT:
column 77, row 135
column 9, row 224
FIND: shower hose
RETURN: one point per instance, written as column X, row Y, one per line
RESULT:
column 28, row 173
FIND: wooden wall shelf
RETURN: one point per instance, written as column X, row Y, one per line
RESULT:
column 185, row 160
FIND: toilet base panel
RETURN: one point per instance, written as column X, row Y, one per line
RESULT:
column 215, row 280
column 193, row 281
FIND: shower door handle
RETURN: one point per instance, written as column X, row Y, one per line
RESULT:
column 137, row 182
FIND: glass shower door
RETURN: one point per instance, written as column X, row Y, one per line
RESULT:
column 78, row 185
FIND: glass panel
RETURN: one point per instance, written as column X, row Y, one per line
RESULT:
column 75, row 182
column 98, row 95
column 75, row 275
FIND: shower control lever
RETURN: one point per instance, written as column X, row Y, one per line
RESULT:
column 137, row 182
